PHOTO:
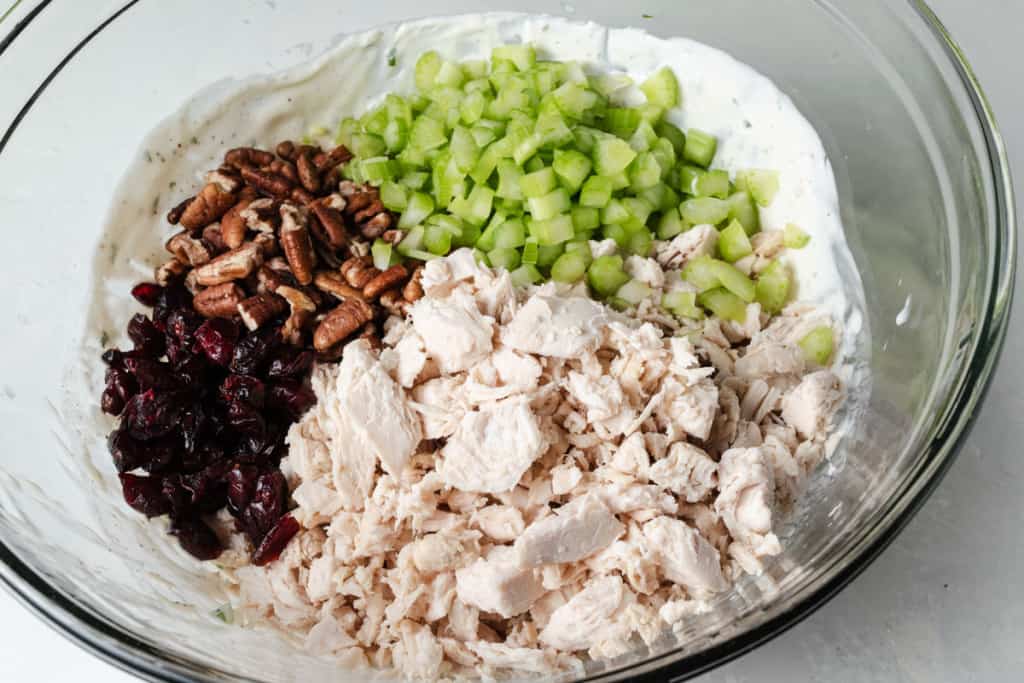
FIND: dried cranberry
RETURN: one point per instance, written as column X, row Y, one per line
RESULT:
column 291, row 397
column 267, row 505
column 275, row 541
column 241, row 481
column 151, row 374
column 144, row 494
column 244, row 389
column 191, row 371
column 147, row 293
column 246, row 421
column 113, row 358
column 148, row 340
column 196, row 537
column 253, row 351
column 290, row 363
column 124, row 450
column 128, row 454
column 151, row 415
column 193, row 418
column 216, row 338
column 182, row 325
column 173, row 297
column 111, row 403
column 120, row 388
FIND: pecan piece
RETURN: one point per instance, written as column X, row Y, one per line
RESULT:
column 219, row 301
column 213, row 235
column 337, row 156
column 309, row 174
column 376, row 226
column 301, row 196
column 413, row 290
column 393, row 302
column 188, row 249
column 285, row 168
column 233, row 224
column 271, row 184
column 340, row 323
column 261, row 309
column 233, row 265
column 389, row 279
column 393, row 236
column 358, row 271
column 335, row 284
column 267, row 244
column 332, row 221
column 247, row 156
column 302, row 309
column 174, row 215
column 261, row 215
column 285, row 149
column 169, row 271
column 226, row 179
column 296, row 244
column 209, row 205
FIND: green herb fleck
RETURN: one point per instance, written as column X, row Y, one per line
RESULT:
column 104, row 339
column 647, row 16
column 225, row 613
column 148, row 156
column 392, row 57
column 194, row 140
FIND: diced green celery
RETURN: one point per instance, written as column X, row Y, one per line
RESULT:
column 553, row 131
column 618, row 233
column 817, row 345
column 612, row 156
column 366, row 145
column 651, row 113
column 534, row 164
column 464, row 149
column 644, row 172
column 396, row 135
column 550, row 205
column 622, row 122
column 450, row 75
column 700, row 210
column 689, row 176
column 665, row 153
column 437, row 240
column 723, row 304
column 412, row 241
column 572, row 168
column 586, row 138
column 394, row 196
column 701, row 272
column 569, row 267
column 633, row 292
column 420, row 206
column 427, row 67
column 573, row 99
column 772, row 288
column 596, row 192
column 523, row 56
column 509, row 180
column 795, row 238
column 421, row 255
column 544, row 80
column 761, row 184
column 384, row 255
column 376, row 170
column 489, row 237
column 426, row 134
column 531, row 250
column 713, row 183
column 700, row 147
column 448, row 181
column 483, row 136
column 446, row 222
column 581, row 247
column 475, row 68
column 412, row 159
column 609, row 84
column 553, row 230
column 638, row 208
column 472, row 107
column 620, row 181
column 585, row 219
column 526, row 274
column 743, row 209
column 467, row 237
column 673, row 134
column 643, row 137
column 682, row 304
column 547, row 254
column 398, row 108
column 510, row 234
column 475, row 209
column 614, row 212
column 527, row 148
column 734, row 280
column 670, row 224
column 733, row 243
column 606, row 275
column 415, row 180
column 538, row 183
column 375, row 120
column 640, row 242
column 504, row 257
column 346, row 129
column 662, row 88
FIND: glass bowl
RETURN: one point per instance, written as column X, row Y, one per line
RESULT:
column 926, row 201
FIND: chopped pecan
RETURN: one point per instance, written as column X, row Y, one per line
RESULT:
column 369, row 333
column 209, row 205
column 261, row 215
column 283, row 167
column 337, row 156
column 233, row 265
column 169, row 271
column 295, row 243
column 302, row 309
column 358, row 271
column 191, row 283
column 188, row 249
column 393, row 302
column 267, row 244
column 174, row 215
column 347, row 188
column 213, row 235
column 391, row 278
column 376, row 226
column 271, row 184
column 226, row 179
column 393, row 236
column 341, row 323
column 332, row 222
column 261, row 309
column 309, row 174
column 302, row 196
column 270, row 279
column 413, row 290
column 334, row 284
column 233, row 224
column 219, row 301
column 286, row 149
column 247, row 156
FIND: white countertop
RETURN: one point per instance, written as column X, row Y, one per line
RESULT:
column 945, row 602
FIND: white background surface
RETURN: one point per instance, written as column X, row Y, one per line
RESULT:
column 944, row 603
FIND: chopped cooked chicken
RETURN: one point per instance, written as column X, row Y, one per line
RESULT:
column 499, row 584
column 810, row 405
column 685, row 556
column 687, row 471
column 456, row 336
column 575, row 531
column 700, row 240
column 556, row 327
column 746, row 499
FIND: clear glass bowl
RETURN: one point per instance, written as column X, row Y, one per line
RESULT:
column 927, row 205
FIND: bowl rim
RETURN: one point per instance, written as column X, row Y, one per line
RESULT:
column 122, row 650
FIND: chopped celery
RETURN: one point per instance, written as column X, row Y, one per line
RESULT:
column 612, row 156
column 523, row 56
column 415, row 180
column 394, row 196
column 609, row 84
column 644, row 138
column 582, row 248
column 665, row 153
column 689, row 176
column 734, row 280
column 375, row 120
column 606, row 275
column 724, row 304
column 614, row 212
column 704, row 210
column 538, row 183
column 572, row 168
column 569, row 267
column 489, row 237
column 586, row 138
column 585, row 219
column 682, row 304
column 419, row 207
column 346, row 129
column 713, row 183
column 475, row 208
column 412, row 241
column 510, row 234
column 366, row 145
column 552, row 231
column 573, row 99
column 531, row 250
column 472, row 107
column 421, row 255
column 596, row 192
column 527, row 147
column 622, row 121
column 427, row 67
column 633, row 292
column 817, row 345
column 733, row 242
column 396, row 135
column 704, row 273
column 547, row 254
column 795, row 238
column 743, row 209
column 644, row 172
column 553, row 131
column 673, row 134
column 509, row 178
column 640, row 242
column 534, row 164
column 662, row 88
column 475, row 68
column 437, row 240
column 550, row 205
column 504, row 257
column 376, row 170
column 700, row 147
column 670, row 224
column 638, row 208
column 383, row 254
column 526, row 274
column 761, row 184
column 426, row 134
column 772, row 288
column 651, row 113
column 450, row 75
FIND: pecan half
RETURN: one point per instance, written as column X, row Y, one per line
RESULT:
column 233, row 265
column 302, row 309
column 302, row 196
column 261, row 309
column 296, row 244
column 169, row 271
column 335, row 285
column 342, row 322
column 219, row 301
column 270, row 279
column 233, row 225
column 337, row 156
column 188, row 249
column 285, row 149
column 213, row 235
column 389, row 279
column 358, row 271
column 285, row 168
column 175, row 214
column 332, row 222
column 309, row 174
column 247, row 156
column 226, row 179
column 267, row 244
column 209, row 205
column 261, row 215
column 376, row 226
column 271, row 184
